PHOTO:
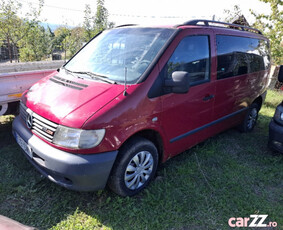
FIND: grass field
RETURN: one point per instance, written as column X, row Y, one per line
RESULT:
column 230, row 175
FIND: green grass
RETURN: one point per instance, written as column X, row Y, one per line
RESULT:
column 229, row 175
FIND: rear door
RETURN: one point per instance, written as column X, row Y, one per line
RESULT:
column 231, row 84
column 240, row 71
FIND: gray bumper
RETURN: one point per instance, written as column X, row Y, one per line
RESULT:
column 73, row 171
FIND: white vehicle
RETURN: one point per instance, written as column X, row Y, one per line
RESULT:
column 12, row 85
column 15, row 78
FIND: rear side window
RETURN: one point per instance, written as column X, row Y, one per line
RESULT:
column 193, row 56
column 239, row 55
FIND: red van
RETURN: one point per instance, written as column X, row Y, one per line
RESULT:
column 134, row 97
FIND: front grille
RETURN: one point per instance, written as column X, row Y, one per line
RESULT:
column 39, row 125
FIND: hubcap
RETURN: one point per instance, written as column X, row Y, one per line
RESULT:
column 252, row 118
column 138, row 170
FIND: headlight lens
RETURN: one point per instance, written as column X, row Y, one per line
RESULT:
column 278, row 116
column 78, row 138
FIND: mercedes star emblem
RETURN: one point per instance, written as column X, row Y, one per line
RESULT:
column 29, row 121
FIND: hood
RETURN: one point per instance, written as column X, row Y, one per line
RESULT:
column 57, row 96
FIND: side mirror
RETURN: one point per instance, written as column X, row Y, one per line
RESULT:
column 179, row 82
column 280, row 74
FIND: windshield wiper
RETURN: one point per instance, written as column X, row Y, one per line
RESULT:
column 93, row 76
column 97, row 76
column 71, row 72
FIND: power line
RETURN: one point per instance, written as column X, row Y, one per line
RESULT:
column 56, row 7
column 146, row 16
column 110, row 14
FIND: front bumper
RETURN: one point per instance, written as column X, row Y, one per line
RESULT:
column 73, row 171
column 275, row 136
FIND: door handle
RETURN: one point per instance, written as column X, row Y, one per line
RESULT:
column 207, row 98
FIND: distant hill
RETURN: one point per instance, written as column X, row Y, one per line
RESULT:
column 52, row 26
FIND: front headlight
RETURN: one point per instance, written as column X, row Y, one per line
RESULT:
column 278, row 116
column 78, row 138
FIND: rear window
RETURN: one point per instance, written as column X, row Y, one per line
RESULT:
column 240, row 55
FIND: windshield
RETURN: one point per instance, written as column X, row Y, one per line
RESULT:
column 119, row 52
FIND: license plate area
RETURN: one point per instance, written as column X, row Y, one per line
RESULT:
column 27, row 149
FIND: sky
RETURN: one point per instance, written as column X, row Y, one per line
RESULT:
column 156, row 12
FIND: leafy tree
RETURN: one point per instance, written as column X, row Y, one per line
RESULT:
column 74, row 41
column 87, row 24
column 36, row 44
column 59, row 36
column 272, row 27
column 13, row 28
column 68, row 40
column 231, row 15
column 95, row 24
column 101, row 17
column 2, row 37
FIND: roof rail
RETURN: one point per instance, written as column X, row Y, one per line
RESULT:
column 220, row 24
column 125, row 25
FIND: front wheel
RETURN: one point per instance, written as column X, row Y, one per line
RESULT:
column 250, row 119
column 134, row 167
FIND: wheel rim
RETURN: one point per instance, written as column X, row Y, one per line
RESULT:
column 138, row 170
column 252, row 118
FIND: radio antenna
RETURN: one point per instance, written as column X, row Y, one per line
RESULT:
column 125, row 89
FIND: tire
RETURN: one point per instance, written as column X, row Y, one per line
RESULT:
column 3, row 109
column 250, row 119
column 134, row 167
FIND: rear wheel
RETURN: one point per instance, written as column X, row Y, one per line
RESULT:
column 134, row 168
column 250, row 119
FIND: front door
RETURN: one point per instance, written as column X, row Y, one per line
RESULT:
column 186, row 117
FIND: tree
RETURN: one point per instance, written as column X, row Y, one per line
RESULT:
column 60, row 41
column 272, row 25
column 101, row 17
column 236, row 16
column 13, row 28
column 36, row 44
column 95, row 24
column 87, row 24
column 74, row 41
column 60, row 34
column 231, row 15
column 68, row 40
column 2, row 37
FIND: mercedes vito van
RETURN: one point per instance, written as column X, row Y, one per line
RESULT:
column 134, row 97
